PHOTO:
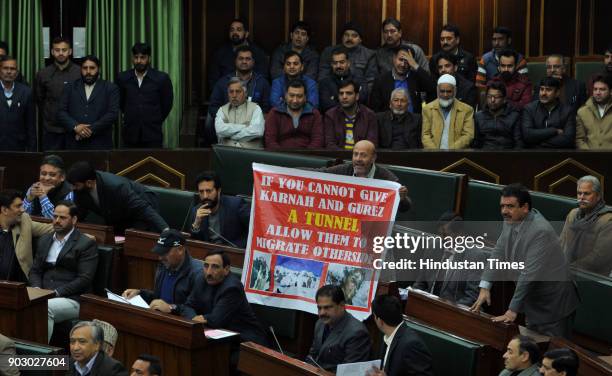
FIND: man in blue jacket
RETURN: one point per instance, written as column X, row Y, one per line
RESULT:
column 176, row 274
column 218, row 218
column 146, row 100
column 293, row 68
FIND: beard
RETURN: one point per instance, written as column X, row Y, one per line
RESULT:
column 506, row 76
column 398, row 112
column 446, row 103
column 90, row 80
column 236, row 40
column 141, row 68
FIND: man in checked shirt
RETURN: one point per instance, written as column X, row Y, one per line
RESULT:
column 50, row 188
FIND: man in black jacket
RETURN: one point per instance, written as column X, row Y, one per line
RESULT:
column 17, row 113
column 548, row 123
column 450, row 43
column 218, row 300
column 89, row 108
column 341, row 72
column 176, row 274
column 225, row 56
column 447, row 63
column 498, row 125
column 407, row 74
column 66, row 263
column 120, row 202
column 403, row 352
column 398, row 128
column 86, row 355
column 146, row 100
column 572, row 92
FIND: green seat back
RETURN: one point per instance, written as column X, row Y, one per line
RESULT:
column 482, row 202
column 583, row 71
column 537, row 71
column 432, row 192
column 553, row 207
column 102, row 279
column 29, row 348
column 283, row 320
column 235, row 166
column 595, row 306
column 174, row 205
column 451, row 355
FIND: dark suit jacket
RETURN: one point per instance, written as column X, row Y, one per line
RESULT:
column 418, row 82
column 234, row 214
column 573, row 93
column 18, row 122
column 123, row 204
column 188, row 274
column 225, row 306
column 100, row 111
column 544, row 289
column 104, row 365
column 365, row 127
column 74, row 269
column 146, row 107
column 460, row 286
column 410, row 137
column 408, row 355
column 380, row 173
column 348, row 341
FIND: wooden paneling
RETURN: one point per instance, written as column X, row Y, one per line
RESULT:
column 269, row 23
column 511, row 13
column 559, row 37
column 368, row 14
column 469, row 26
column 318, row 13
column 585, row 27
column 486, row 27
column 414, row 16
column 601, row 25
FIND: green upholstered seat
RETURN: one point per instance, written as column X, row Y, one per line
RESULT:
column 283, row 320
column 174, row 205
column 235, row 166
column 31, row 348
column 584, row 70
column 537, row 71
column 595, row 306
column 104, row 271
column 451, row 355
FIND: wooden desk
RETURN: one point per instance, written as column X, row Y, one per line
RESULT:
column 180, row 343
column 257, row 360
column 590, row 365
column 459, row 320
column 23, row 311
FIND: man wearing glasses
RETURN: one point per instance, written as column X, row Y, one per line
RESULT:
column 573, row 92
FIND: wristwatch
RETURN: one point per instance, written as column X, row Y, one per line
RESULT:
column 173, row 308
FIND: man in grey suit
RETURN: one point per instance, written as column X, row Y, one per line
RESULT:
column 338, row 336
column 544, row 290
column 88, row 109
column 66, row 263
column 521, row 357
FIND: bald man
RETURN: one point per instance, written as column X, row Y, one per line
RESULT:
column 363, row 166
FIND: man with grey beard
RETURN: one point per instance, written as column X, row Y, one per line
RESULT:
column 447, row 122
column 397, row 127
column 587, row 234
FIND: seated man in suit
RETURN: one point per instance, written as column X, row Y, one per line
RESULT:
column 122, row 203
column 404, row 351
column 459, row 286
column 218, row 300
column 521, row 357
column 448, row 123
column 398, row 128
column 88, row 109
column 363, row 166
column 218, row 218
column 560, row 362
column 338, row 336
column 66, row 263
column 86, row 355
column 175, row 277
column 50, row 188
column 17, row 231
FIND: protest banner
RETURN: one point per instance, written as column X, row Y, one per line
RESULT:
column 309, row 229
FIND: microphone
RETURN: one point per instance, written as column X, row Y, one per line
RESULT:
column 195, row 200
column 315, row 362
column 276, row 339
column 222, row 237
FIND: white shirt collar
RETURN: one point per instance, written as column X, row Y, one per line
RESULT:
column 63, row 241
column 389, row 339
